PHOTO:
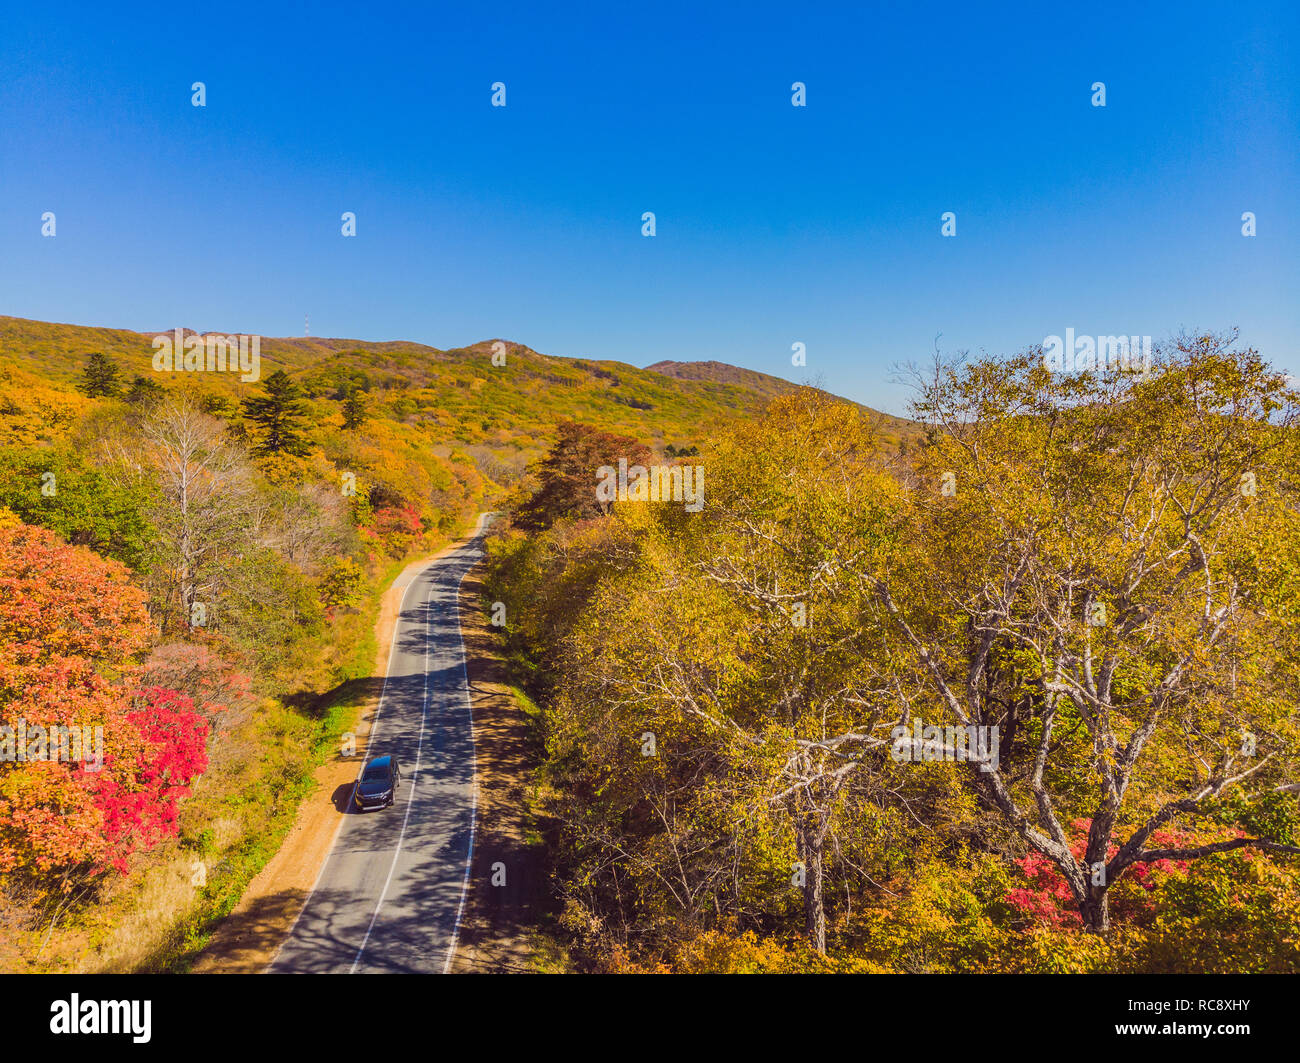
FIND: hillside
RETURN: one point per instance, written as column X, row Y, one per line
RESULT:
column 452, row 395
column 455, row 394
column 768, row 386
column 722, row 373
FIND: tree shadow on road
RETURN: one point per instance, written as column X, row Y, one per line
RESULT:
column 510, row 895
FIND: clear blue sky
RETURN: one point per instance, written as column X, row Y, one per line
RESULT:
column 775, row 224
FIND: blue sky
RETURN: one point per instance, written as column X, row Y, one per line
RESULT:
column 775, row 224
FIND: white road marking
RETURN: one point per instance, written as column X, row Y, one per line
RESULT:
column 374, row 726
column 473, row 806
column 410, row 800
column 455, row 931
column 415, row 778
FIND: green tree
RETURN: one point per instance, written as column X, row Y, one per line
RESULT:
column 279, row 416
column 144, row 390
column 355, row 411
column 100, row 378
column 57, row 489
column 218, row 406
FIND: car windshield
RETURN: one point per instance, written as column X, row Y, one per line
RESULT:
column 376, row 771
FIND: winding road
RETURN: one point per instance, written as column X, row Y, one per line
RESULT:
column 391, row 892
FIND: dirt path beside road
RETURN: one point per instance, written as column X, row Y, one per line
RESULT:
column 497, row 930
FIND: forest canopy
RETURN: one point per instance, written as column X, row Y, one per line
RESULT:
column 1100, row 567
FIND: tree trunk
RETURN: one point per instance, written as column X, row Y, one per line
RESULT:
column 1095, row 910
column 813, row 907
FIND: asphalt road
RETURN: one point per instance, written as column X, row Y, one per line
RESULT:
column 391, row 891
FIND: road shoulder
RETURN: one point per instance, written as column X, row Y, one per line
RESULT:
column 508, row 892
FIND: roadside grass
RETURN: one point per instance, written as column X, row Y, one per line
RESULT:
column 547, row 953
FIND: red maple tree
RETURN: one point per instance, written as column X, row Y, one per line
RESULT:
column 71, row 626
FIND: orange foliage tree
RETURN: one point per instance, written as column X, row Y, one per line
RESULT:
column 71, row 625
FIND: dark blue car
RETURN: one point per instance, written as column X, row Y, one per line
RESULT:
column 377, row 787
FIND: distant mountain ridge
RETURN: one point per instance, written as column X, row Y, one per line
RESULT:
column 457, row 393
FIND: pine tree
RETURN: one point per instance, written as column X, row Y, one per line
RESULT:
column 354, row 410
column 144, row 390
column 101, row 377
column 279, row 416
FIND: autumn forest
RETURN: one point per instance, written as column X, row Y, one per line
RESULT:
column 742, row 718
